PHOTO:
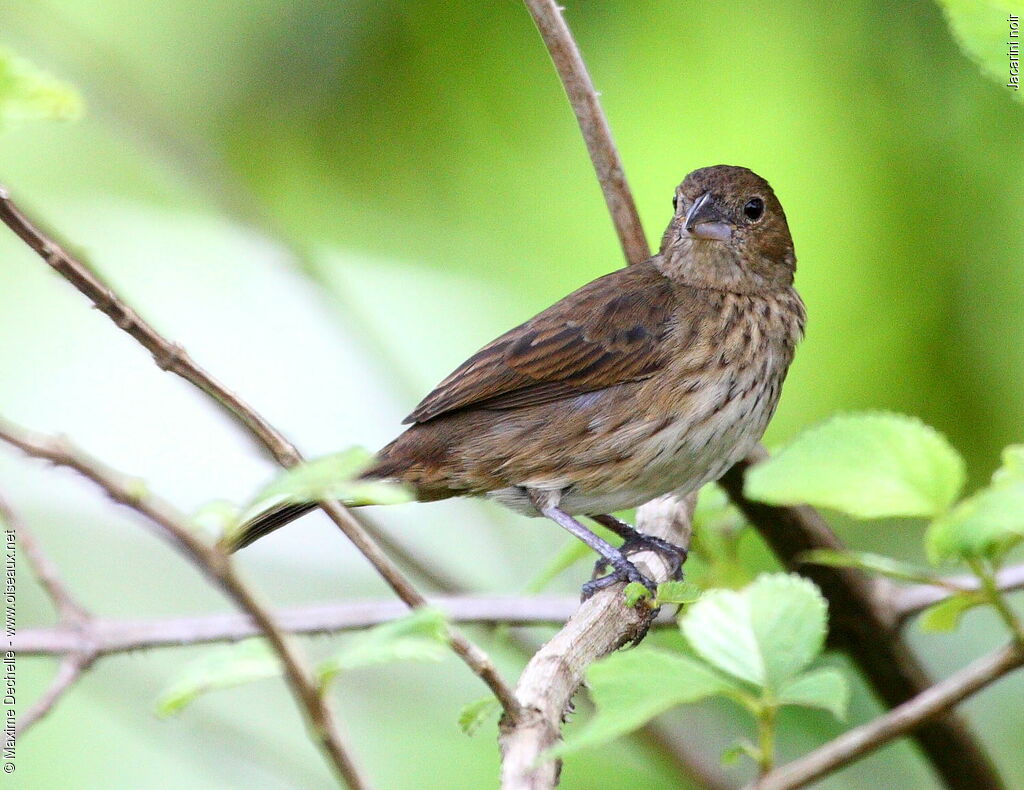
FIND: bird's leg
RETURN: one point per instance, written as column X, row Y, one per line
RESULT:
column 623, row 569
column 638, row 541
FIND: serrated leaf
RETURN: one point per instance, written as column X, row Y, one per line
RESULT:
column 867, row 465
column 420, row 636
column 679, row 592
column 633, row 687
column 983, row 525
column 222, row 667
column 764, row 634
column 982, row 30
column 946, row 615
column 635, row 592
column 473, row 715
column 873, row 563
column 331, row 477
column 821, row 688
column 28, row 93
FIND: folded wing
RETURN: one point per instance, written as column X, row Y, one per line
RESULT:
column 604, row 334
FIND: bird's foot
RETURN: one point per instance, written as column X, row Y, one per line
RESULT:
column 674, row 555
column 624, row 571
column 635, row 541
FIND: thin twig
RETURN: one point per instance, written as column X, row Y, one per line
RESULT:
column 118, row 636
column 173, row 357
column 73, row 617
column 217, row 566
column 897, row 722
column 167, row 355
column 596, row 132
column 602, row 624
column 909, row 601
column 43, row 568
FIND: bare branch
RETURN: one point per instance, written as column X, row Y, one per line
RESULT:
column 171, row 356
column 167, row 355
column 862, row 623
column 909, row 601
column 118, row 636
column 602, row 624
column 596, row 132
column 897, row 722
column 217, row 566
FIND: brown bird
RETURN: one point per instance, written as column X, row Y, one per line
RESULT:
column 655, row 378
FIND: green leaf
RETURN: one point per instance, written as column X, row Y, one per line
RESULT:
column 420, row 636
column 764, row 634
column 982, row 30
column 223, row 667
column 822, row 688
column 983, row 525
column 868, row 465
column 873, row 563
column 633, row 687
column 331, row 477
column 473, row 715
column 945, row 615
column 28, row 93
column 677, row 592
column 636, row 592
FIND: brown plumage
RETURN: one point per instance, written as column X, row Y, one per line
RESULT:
column 651, row 379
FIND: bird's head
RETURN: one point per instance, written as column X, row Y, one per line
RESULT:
column 728, row 232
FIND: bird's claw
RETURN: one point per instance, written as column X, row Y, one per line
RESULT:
column 625, row 572
column 674, row 555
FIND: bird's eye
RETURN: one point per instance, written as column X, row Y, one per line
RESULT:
column 675, row 202
column 754, row 209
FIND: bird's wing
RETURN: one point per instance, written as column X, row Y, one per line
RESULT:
column 606, row 333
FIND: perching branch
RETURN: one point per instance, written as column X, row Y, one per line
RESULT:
column 176, row 528
column 171, row 356
column 602, row 623
column 899, row 721
column 859, row 621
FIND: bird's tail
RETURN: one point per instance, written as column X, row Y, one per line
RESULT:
column 266, row 522
column 412, row 460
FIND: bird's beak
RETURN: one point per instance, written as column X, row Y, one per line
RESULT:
column 705, row 221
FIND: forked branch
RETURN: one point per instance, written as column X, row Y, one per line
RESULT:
column 177, row 529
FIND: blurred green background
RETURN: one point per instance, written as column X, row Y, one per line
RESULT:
column 331, row 204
